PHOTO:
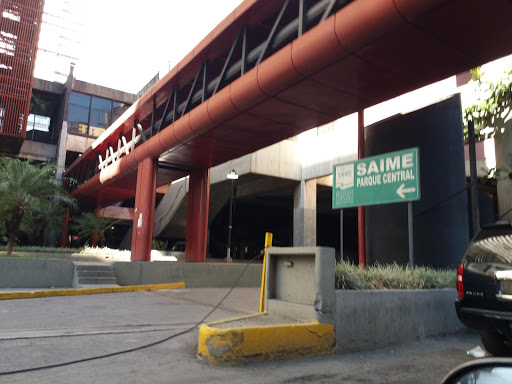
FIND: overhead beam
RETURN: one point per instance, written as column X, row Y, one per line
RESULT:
column 248, row 58
column 117, row 213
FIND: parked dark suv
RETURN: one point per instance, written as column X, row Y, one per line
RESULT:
column 484, row 285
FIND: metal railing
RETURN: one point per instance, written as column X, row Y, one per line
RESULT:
column 251, row 46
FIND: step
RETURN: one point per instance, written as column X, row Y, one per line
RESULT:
column 96, row 280
column 88, row 273
column 93, row 267
column 99, row 285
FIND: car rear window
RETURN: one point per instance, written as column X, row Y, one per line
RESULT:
column 492, row 245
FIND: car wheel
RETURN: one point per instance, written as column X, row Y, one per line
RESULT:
column 495, row 344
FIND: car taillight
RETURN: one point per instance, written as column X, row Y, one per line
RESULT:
column 460, row 284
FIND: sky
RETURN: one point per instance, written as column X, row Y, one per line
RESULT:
column 122, row 44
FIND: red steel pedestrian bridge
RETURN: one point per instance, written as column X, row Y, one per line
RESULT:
column 268, row 71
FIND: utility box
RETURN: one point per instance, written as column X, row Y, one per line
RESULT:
column 299, row 283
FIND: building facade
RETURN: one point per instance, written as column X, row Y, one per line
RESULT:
column 284, row 189
column 65, row 119
column 20, row 24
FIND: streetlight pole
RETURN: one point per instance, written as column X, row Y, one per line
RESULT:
column 232, row 176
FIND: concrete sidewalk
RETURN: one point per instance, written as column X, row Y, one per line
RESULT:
column 56, row 330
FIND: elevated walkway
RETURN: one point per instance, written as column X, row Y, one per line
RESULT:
column 271, row 70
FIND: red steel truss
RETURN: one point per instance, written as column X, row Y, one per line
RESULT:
column 20, row 24
column 268, row 71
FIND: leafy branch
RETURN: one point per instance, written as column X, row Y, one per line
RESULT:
column 494, row 105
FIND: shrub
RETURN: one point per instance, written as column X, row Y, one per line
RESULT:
column 105, row 251
column 20, row 248
column 392, row 276
column 89, row 224
column 160, row 245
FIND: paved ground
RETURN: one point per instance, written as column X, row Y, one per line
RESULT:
column 55, row 330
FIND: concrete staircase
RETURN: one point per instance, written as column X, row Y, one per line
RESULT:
column 90, row 275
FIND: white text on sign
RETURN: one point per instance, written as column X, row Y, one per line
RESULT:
column 386, row 170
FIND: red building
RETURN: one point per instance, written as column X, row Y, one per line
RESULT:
column 20, row 24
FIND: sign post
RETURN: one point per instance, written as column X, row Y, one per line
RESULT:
column 411, row 237
column 341, row 234
column 389, row 178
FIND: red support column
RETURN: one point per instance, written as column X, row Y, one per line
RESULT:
column 361, row 230
column 197, row 215
column 144, row 212
column 94, row 239
column 64, row 231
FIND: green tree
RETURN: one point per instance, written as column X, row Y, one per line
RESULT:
column 493, row 107
column 45, row 222
column 38, row 106
column 24, row 188
column 491, row 115
column 89, row 224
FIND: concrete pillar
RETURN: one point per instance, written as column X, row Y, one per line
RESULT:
column 304, row 214
column 61, row 149
column 197, row 215
column 503, row 147
column 144, row 212
column 63, row 135
column 60, row 154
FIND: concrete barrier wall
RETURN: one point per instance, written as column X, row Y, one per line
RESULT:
column 299, row 283
column 195, row 275
column 35, row 273
column 377, row 318
column 70, row 256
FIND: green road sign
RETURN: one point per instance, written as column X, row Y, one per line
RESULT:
column 389, row 178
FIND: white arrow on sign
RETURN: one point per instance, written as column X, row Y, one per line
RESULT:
column 401, row 190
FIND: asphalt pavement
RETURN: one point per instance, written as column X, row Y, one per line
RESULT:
column 59, row 331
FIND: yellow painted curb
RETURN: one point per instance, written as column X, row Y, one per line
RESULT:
column 88, row 291
column 239, row 345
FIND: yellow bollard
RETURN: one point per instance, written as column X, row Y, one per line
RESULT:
column 268, row 244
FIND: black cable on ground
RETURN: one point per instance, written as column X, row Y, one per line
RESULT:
column 94, row 333
column 43, row 367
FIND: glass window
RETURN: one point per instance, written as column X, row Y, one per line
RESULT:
column 100, row 115
column 492, row 245
column 80, row 99
column 78, row 114
column 1, row 119
column 78, row 119
column 38, row 123
column 79, row 128
column 91, row 115
column 99, row 119
column 95, row 131
column 30, row 122
column 42, row 123
column 101, row 104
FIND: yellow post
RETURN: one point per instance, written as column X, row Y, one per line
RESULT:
column 268, row 244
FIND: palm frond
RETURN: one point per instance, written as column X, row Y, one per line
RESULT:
column 27, row 188
column 90, row 223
